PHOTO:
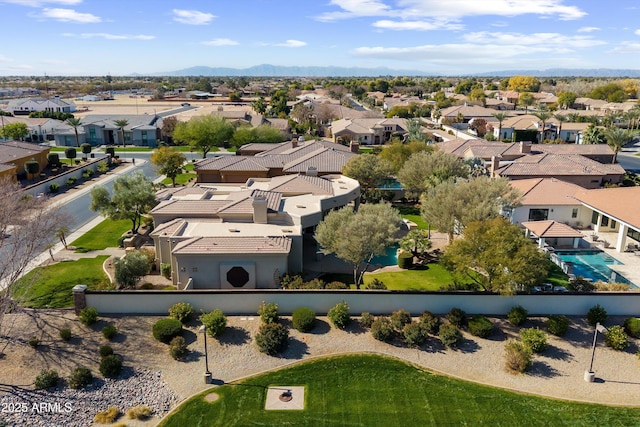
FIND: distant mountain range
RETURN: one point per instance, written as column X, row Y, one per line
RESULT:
column 268, row 70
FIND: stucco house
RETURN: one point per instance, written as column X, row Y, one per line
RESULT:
column 244, row 236
column 26, row 106
column 143, row 131
column 368, row 131
column 40, row 130
column 14, row 154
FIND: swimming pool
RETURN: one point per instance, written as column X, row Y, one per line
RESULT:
column 389, row 258
column 593, row 265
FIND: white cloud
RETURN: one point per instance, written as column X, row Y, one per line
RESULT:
column 417, row 25
column 69, row 15
column 220, row 42
column 108, row 36
column 548, row 40
column 637, row 32
column 5, row 59
column 192, row 17
column 292, row 43
column 355, row 8
column 588, row 29
column 626, row 48
column 39, row 3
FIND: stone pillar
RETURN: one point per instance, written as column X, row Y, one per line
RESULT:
column 79, row 298
column 622, row 237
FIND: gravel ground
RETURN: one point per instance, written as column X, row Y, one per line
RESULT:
column 159, row 382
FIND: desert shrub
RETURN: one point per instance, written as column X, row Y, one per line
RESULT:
column 105, row 350
column 292, row 281
column 165, row 270
column 182, row 311
column 34, row 342
column 178, row 348
column 272, row 338
column 139, row 413
column 399, row 319
column 303, row 319
column 165, row 329
column 429, row 322
column 382, row 329
column 47, row 379
column 102, row 167
column 611, row 287
column 557, row 324
column 108, row 416
column 80, row 378
column 480, row 326
column 109, row 332
column 405, row 260
column 88, row 316
column 65, row 334
column 457, row 317
column 517, row 315
column 268, row 312
column 336, row 285
column 376, row 284
column 366, row 319
column 54, row 188
column 632, row 327
column 579, row 284
column 215, row 322
column 616, row 338
column 339, row 315
column 517, row 357
column 449, row 335
column 110, row 366
column 146, row 285
column 596, row 314
column 413, row 334
column 534, row 338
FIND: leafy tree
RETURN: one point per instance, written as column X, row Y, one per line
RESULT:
column 133, row 195
column 524, row 84
column 593, row 135
column 17, row 131
column 75, row 124
column 478, row 94
column 566, row 99
column 70, row 153
column 168, row 127
column 131, row 268
column 500, row 117
column 203, row 133
column 423, row 170
column 497, row 256
column 301, row 113
column 526, row 99
column 416, row 241
column 168, row 162
column 356, row 237
column 449, row 206
column 31, row 167
column 617, row 138
column 611, row 92
column 278, row 103
column 369, row 169
column 397, row 152
column 259, row 105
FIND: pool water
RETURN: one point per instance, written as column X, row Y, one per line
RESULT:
column 593, row 265
column 389, row 258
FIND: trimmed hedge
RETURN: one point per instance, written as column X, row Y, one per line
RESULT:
column 632, row 327
column 517, row 315
column 480, row 326
column 182, row 311
column 405, row 260
column 164, row 330
column 557, row 324
column 457, row 317
column 303, row 319
column 449, row 335
column 215, row 322
column 272, row 338
column 382, row 329
column 534, row 338
column 596, row 314
column 400, row 318
column 339, row 315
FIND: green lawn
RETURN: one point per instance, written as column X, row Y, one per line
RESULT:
column 50, row 286
column 429, row 279
column 420, row 222
column 370, row 390
column 556, row 276
column 102, row 236
column 182, row 178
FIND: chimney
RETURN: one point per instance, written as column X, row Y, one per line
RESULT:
column 259, row 210
column 525, row 148
column 355, row 147
column 294, row 143
column 312, row 171
column 495, row 164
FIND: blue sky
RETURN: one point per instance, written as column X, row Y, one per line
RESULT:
column 121, row 37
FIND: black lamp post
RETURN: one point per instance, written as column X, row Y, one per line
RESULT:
column 589, row 375
column 207, row 373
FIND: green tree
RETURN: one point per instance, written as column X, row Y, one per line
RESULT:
column 31, row 167
column 423, row 170
column 593, row 135
column 75, row 124
column 261, row 134
column 500, row 117
column 497, row 256
column 369, row 170
column 131, row 268
column 566, row 99
column 356, row 237
column 617, row 138
column 203, row 133
column 417, row 242
column 414, row 130
column 259, row 105
column 133, row 196
column 397, row 152
column 450, row 205
column 168, row 162
column 478, row 94
column 278, row 103
column 122, row 123
column 526, row 99
column 17, row 131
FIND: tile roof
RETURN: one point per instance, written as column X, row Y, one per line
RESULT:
column 546, row 191
column 301, row 184
column 234, row 245
column 245, row 204
column 551, row 229
column 619, row 203
column 10, row 151
column 190, row 208
column 558, row 165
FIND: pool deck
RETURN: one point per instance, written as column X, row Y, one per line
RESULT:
column 631, row 268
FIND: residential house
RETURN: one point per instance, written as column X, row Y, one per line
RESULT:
column 14, row 154
column 371, row 131
column 40, row 130
column 26, row 106
column 142, row 130
column 244, row 236
column 465, row 113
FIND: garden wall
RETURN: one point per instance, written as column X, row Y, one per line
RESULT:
column 61, row 178
column 246, row 302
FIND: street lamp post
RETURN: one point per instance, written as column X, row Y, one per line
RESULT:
column 589, row 375
column 207, row 373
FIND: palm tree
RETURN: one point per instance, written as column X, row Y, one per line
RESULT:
column 75, row 124
column 121, row 124
column 592, row 135
column 543, row 116
column 561, row 118
column 500, row 117
column 617, row 138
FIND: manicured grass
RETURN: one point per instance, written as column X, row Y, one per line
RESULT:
column 182, row 178
column 371, row 390
column 420, row 222
column 431, row 278
column 556, row 276
column 102, row 236
column 50, row 286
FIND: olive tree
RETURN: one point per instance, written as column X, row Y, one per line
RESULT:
column 168, row 162
column 203, row 133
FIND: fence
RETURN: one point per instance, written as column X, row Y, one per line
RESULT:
column 246, row 302
column 43, row 186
